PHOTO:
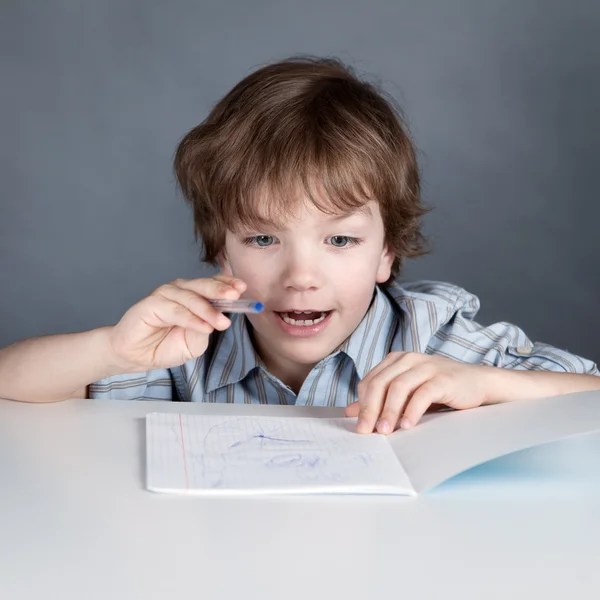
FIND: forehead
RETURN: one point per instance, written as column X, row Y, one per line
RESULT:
column 265, row 211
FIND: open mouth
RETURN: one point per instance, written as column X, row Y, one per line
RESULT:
column 304, row 318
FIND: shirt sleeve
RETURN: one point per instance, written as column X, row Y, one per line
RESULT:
column 151, row 385
column 501, row 344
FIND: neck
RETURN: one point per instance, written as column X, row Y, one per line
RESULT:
column 291, row 373
column 293, row 378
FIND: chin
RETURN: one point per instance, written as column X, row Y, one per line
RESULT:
column 309, row 354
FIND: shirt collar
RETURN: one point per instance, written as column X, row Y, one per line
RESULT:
column 370, row 342
column 234, row 356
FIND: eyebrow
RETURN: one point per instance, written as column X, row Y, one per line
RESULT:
column 362, row 210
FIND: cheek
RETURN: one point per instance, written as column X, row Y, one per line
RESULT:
column 358, row 296
column 358, row 268
column 250, row 270
column 356, row 281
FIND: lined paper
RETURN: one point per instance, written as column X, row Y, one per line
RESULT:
column 219, row 454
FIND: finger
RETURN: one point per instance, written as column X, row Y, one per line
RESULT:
column 398, row 394
column 369, row 413
column 210, row 288
column 372, row 392
column 352, row 409
column 428, row 394
column 196, row 304
column 166, row 313
column 400, row 360
column 195, row 344
column 390, row 359
column 234, row 282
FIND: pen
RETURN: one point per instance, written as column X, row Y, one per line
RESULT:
column 240, row 306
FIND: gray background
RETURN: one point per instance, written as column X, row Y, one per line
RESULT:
column 501, row 96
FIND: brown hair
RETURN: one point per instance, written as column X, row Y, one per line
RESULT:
column 303, row 124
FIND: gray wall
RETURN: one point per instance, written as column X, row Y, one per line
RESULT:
column 502, row 99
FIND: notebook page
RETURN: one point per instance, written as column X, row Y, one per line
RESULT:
column 448, row 443
column 217, row 454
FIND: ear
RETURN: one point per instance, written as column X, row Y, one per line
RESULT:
column 384, row 269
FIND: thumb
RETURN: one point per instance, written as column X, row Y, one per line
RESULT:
column 352, row 409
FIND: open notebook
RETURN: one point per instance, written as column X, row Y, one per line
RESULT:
column 230, row 454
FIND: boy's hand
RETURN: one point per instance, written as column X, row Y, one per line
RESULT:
column 172, row 325
column 405, row 384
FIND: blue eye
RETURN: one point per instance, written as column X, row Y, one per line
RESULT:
column 343, row 241
column 262, row 241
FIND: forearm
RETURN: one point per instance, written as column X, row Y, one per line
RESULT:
column 507, row 385
column 53, row 368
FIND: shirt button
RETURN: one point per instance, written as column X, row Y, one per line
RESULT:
column 524, row 349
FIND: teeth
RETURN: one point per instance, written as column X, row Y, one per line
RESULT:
column 303, row 323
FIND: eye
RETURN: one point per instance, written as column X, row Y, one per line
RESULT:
column 262, row 241
column 343, row 241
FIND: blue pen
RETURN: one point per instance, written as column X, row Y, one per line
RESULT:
column 240, row 306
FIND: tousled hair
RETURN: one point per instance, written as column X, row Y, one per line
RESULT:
column 301, row 128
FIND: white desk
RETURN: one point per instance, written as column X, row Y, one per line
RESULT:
column 77, row 523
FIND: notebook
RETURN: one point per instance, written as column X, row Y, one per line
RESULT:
column 216, row 454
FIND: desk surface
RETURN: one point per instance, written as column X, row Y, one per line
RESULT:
column 77, row 522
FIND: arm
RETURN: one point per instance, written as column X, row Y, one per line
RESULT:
column 462, row 364
column 506, row 385
column 169, row 327
column 56, row 367
column 402, row 387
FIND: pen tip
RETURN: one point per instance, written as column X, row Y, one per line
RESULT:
column 258, row 306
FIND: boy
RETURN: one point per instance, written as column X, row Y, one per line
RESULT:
column 305, row 191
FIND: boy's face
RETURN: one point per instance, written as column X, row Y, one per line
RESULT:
column 316, row 262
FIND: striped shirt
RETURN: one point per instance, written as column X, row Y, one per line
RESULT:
column 425, row 316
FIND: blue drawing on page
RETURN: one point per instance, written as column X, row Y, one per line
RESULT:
column 262, row 437
column 230, row 445
column 237, row 451
column 293, row 460
column 229, row 450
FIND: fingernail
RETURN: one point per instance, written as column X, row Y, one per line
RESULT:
column 383, row 426
column 362, row 426
column 405, row 423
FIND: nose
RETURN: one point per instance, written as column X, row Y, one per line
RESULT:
column 301, row 271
